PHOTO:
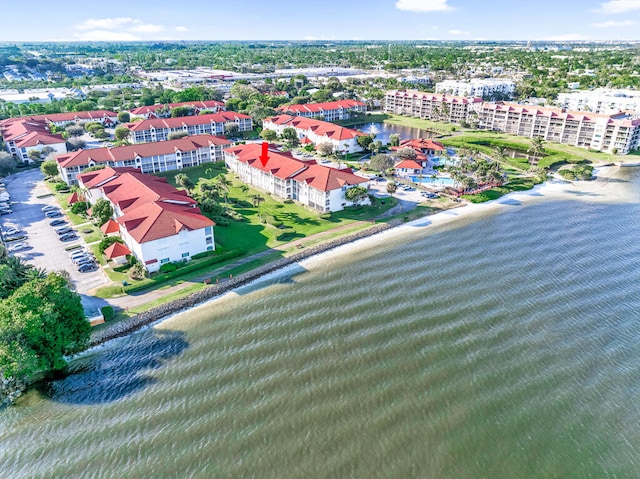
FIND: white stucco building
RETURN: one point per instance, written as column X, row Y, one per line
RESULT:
column 477, row 87
column 158, row 223
column 319, row 187
column 601, row 100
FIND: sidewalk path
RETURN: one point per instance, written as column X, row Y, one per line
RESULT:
column 137, row 299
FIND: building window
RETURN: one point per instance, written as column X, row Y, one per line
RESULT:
column 209, row 248
column 185, row 255
column 164, row 260
column 208, row 230
column 209, row 240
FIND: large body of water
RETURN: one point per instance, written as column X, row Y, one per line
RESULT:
column 500, row 345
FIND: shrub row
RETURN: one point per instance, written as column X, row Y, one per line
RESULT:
column 188, row 268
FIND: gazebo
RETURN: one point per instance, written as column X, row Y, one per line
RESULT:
column 117, row 252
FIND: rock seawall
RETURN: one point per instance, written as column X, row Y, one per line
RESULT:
column 173, row 307
column 10, row 390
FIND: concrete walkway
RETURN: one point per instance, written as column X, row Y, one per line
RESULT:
column 143, row 297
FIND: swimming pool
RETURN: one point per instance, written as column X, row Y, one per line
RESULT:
column 427, row 180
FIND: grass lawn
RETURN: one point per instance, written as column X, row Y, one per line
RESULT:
column 206, row 170
column 368, row 118
column 487, row 142
column 436, row 126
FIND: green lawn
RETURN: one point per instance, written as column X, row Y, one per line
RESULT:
column 206, row 170
column 487, row 142
column 412, row 122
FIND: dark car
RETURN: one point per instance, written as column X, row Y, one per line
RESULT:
column 84, row 268
column 5, row 212
column 49, row 208
column 53, row 214
column 85, row 260
column 68, row 237
column 58, row 222
column 64, row 230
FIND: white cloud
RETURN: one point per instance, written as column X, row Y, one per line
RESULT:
column 458, row 32
column 423, row 5
column 567, row 37
column 103, row 23
column 614, row 23
column 180, row 28
column 105, row 36
column 146, row 27
column 619, row 6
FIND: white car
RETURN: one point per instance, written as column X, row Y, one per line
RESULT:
column 11, row 231
column 18, row 247
column 49, row 208
column 79, row 253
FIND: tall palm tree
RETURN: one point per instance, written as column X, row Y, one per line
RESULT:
column 223, row 183
column 537, row 146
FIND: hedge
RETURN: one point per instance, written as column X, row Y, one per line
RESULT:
column 188, row 268
column 107, row 312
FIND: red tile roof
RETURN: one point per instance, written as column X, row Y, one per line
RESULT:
column 321, row 107
column 409, row 165
column 151, row 208
column 116, row 250
column 321, row 128
column 110, row 227
column 198, row 105
column 179, row 122
column 155, row 220
column 421, row 144
column 284, row 166
column 129, row 152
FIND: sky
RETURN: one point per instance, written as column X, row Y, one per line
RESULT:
column 145, row 20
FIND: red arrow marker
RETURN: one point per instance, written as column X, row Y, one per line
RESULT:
column 264, row 157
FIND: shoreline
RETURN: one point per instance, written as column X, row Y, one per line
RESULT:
column 214, row 291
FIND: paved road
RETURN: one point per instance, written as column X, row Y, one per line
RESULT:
column 46, row 250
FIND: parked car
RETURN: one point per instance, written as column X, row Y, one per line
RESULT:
column 83, row 259
column 64, row 229
column 58, row 222
column 78, row 252
column 68, row 237
column 11, row 231
column 84, row 268
column 49, row 208
column 53, row 214
column 5, row 212
column 18, row 247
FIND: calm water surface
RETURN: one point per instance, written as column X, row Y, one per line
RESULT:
column 384, row 130
column 502, row 346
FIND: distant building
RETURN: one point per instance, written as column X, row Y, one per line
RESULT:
column 450, row 109
column 601, row 100
column 164, row 110
column 344, row 140
column 316, row 186
column 486, row 88
column 328, row 111
column 147, row 158
column 159, row 129
column 104, row 117
column 158, row 223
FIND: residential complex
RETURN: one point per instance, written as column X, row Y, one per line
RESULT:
column 612, row 133
column 486, row 88
column 104, row 117
column 21, row 135
column 450, row 109
column 145, row 157
column 319, row 187
column 158, row 223
column 329, row 111
column 344, row 140
column 601, row 100
column 159, row 129
column 164, row 110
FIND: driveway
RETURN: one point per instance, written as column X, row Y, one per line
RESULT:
column 46, row 250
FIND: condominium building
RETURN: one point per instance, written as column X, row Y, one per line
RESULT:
column 344, row 140
column 601, row 100
column 164, row 110
column 487, row 88
column 328, row 111
column 104, row 117
column 612, row 133
column 158, row 223
column 145, row 157
column 316, row 186
column 450, row 109
column 159, row 129
column 22, row 135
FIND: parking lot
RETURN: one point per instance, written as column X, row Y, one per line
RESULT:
column 45, row 250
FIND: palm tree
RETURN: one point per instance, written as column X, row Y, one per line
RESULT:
column 537, row 147
column 223, row 183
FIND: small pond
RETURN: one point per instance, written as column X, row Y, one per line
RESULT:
column 384, row 130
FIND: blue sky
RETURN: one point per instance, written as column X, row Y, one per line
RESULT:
column 46, row 20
